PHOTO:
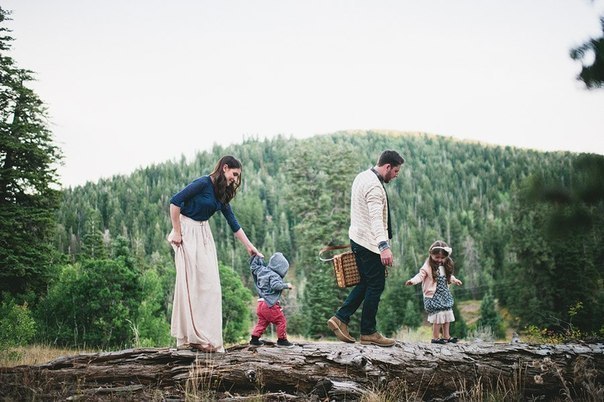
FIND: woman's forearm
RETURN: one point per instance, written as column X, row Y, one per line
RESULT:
column 175, row 218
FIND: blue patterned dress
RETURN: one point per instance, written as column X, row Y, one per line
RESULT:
column 439, row 307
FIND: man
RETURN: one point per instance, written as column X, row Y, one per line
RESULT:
column 369, row 232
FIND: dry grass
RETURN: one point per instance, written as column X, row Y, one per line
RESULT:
column 418, row 335
column 200, row 385
column 33, row 355
column 470, row 310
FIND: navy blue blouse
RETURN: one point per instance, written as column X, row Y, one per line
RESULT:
column 198, row 201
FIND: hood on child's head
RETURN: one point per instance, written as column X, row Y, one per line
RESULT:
column 279, row 264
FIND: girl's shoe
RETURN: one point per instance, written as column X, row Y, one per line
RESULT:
column 451, row 340
column 439, row 340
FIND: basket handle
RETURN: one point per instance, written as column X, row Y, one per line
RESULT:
column 330, row 248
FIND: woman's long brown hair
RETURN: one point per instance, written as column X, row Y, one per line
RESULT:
column 224, row 192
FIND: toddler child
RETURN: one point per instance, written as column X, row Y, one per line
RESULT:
column 269, row 283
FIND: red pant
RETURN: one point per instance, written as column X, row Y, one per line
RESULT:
column 270, row 315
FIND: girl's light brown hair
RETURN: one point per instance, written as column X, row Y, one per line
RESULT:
column 440, row 247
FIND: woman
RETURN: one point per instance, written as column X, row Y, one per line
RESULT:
column 197, row 307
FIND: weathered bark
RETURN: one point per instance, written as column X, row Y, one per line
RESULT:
column 338, row 371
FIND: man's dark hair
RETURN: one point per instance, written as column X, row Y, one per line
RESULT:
column 390, row 157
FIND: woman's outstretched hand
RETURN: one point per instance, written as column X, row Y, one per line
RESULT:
column 251, row 250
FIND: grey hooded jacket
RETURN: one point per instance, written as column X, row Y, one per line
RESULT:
column 268, row 279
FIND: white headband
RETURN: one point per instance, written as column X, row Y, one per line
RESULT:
column 448, row 250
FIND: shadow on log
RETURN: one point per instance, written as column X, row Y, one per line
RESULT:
column 318, row 371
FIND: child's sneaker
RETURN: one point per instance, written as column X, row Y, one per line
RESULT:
column 256, row 341
column 284, row 343
column 439, row 340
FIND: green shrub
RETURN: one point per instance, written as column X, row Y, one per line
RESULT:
column 17, row 327
column 236, row 313
column 151, row 328
column 92, row 305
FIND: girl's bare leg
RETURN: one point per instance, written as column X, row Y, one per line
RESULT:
column 446, row 333
column 436, row 331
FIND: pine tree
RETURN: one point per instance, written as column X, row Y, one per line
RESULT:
column 412, row 316
column 489, row 317
column 592, row 74
column 28, row 197
column 556, row 238
column 398, row 306
column 458, row 328
column 320, row 202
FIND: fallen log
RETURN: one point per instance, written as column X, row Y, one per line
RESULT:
column 317, row 370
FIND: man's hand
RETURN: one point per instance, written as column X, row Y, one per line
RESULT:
column 387, row 258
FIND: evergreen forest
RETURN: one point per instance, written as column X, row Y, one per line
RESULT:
column 500, row 208
column 90, row 266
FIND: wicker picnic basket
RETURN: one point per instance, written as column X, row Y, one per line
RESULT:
column 344, row 266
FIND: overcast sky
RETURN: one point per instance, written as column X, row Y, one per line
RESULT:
column 131, row 83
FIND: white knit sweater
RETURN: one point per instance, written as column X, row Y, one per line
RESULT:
column 368, row 211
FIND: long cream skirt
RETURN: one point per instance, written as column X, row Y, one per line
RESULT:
column 197, row 307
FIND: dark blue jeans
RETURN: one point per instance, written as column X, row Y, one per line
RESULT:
column 368, row 291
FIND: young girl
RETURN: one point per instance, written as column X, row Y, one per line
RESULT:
column 435, row 275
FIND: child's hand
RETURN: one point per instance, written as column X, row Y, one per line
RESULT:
column 408, row 283
column 289, row 286
column 457, row 282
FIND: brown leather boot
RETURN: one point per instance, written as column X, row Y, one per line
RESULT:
column 376, row 339
column 340, row 329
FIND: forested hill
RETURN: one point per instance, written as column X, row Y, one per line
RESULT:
column 295, row 199
column 446, row 189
